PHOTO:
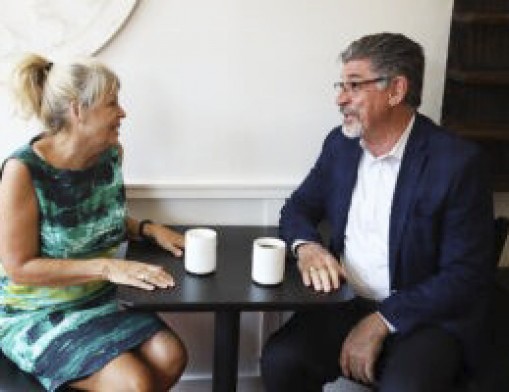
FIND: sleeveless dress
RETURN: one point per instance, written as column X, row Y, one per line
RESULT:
column 60, row 334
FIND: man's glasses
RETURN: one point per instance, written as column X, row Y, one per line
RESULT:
column 355, row 86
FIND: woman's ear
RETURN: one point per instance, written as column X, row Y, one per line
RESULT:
column 76, row 111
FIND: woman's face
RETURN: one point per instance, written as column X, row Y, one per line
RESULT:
column 101, row 121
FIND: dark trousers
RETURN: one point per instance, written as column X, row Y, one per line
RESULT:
column 304, row 354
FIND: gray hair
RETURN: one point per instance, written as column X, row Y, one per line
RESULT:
column 391, row 55
column 46, row 90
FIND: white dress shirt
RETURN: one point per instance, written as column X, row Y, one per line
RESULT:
column 366, row 251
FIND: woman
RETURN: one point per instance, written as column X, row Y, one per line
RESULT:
column 63, row 214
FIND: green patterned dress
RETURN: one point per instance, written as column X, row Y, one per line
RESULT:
column 60, row 334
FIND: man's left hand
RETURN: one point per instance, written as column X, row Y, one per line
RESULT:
column 362, row 347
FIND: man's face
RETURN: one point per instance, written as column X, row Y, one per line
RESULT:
column 363, row 98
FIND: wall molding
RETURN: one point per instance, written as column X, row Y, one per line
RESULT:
column 209, row 191
column 204, row 190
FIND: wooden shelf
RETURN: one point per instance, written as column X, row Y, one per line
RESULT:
column 476, row 95
column 479, row 77
column 500, row 18
column 500, row 183
column 478, row 131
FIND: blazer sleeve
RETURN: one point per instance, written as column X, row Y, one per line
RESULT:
column 306, row 206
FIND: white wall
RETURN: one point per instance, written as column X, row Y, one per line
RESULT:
column 228, row 102
column 240, row 91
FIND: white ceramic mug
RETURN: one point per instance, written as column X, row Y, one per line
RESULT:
column 200, row 251
column 268, row 261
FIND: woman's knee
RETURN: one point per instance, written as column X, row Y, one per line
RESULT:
column 140, row 379
column 124, row 373
column 178, row 358
column 167, row 355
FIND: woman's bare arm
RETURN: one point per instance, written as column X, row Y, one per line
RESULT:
column 19, row 245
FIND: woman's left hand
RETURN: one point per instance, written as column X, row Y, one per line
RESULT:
column 166, row 238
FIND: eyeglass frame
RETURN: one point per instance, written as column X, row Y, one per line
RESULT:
column 355, row 86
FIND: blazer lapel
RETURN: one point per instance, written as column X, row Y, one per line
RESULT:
column 414, row 160
column 346, row 178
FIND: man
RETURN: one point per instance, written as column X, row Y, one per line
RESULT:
column 410, row 216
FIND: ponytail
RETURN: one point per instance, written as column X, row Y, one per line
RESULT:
column 28, row 79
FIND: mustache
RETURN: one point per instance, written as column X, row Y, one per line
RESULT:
column 348, row 111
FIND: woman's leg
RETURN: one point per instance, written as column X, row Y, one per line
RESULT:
column 127, row 372
column 166, row 355
column 155, row 365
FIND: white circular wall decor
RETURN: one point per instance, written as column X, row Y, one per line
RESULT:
column 58, row 28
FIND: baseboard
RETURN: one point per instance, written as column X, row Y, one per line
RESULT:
column 245, row 384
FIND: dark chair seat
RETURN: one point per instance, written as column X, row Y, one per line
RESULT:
column 493, row 375
column 12, row 379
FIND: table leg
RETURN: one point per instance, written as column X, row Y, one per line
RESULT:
column 226, row 350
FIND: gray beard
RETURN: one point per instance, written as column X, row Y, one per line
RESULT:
column 352, row 132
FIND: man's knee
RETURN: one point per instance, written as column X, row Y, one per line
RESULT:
column 272, row 357
column 404, row 382
column 426, row 360
column 278, row 360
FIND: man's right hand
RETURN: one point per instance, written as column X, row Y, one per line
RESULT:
column 318, row 267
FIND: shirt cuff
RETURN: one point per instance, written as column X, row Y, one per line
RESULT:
column 391, row 327
column 296, row 244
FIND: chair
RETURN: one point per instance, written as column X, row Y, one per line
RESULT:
column 501, row 231
column 12, row 379
column 494, row 375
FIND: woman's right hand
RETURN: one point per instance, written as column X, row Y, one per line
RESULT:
column 133, row 273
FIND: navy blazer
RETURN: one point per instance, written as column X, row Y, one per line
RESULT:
column 440, row 235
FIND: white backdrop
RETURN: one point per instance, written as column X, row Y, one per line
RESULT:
column 240, row 91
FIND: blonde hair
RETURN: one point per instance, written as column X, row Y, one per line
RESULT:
column 46, row 90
